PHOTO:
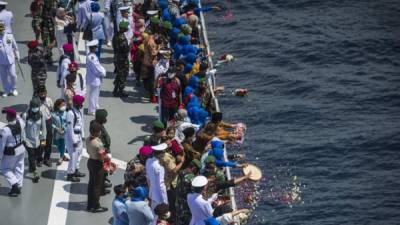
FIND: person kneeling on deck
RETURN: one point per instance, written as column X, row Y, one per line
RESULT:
column 97, row 155
column 94, row 76
column 74, row 138
column 12, row 151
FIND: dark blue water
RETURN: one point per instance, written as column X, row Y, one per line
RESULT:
column 324, row 103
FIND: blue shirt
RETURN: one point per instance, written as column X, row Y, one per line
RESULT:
column 119, row 212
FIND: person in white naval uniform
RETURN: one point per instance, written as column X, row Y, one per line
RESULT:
column 108, row 20
column 98, row 26
column 94, row 77
column 6, row 16
column 83, row 14
column 126, row 16
column 200, row 208
column 12, row 151
column 155, row 176
column 8, row 55
column 74, row 138
column 62, row 70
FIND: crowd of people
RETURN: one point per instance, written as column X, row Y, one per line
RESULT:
column 178, row 176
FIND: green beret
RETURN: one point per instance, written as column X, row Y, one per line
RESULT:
column 189, row 177
column 167, row 25
column 154, row 20
column 123, row 25
column 196, row 163
column 101, row 114
column 186, row 29
column 209, row 159
column 146, row 140
column 158, row 124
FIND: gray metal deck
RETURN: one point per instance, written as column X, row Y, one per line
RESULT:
column 129, row 120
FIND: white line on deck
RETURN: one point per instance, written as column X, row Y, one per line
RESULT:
column 61, row 191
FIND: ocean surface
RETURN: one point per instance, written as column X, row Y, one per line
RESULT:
column 323, row 110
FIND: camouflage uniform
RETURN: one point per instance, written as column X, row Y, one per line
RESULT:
column 43, row 21
column 38, row 65
column 183, row 188
column 121, row 61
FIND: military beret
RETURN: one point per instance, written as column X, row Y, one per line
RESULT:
column 123, row 25
column 101, row 114
column 32, row 44
column 158, row 124
column 209, row 159
column 186, row 29
column 196, row 163
column 167, row 25
column 154, row 20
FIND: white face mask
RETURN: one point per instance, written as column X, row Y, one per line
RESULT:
column 12, row 122
column 168, row 215
column 35, row 110
column 63, row 108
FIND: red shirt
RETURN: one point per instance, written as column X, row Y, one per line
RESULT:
column 169, row 93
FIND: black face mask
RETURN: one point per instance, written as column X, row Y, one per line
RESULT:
column 42, row 98
column 79, row 106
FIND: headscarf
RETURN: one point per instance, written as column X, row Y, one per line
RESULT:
column 34, row 103
column 139, row 194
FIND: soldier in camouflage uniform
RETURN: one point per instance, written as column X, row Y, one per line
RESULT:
column 121, row 59
column 43, row 22
column 184, row 187
column 38, row 64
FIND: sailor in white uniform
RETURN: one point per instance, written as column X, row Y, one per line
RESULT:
column 8, row 55
column 73, row 138
column 62, row 70
column 94, row 76
column 108, row 21
column 155, row 176
column 83, row 15
column 125, row 15
column 12, row 151
column 200, row 208
column 6, row 16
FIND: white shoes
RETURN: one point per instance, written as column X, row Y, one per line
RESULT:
column 4, row 95
column 109, row 43
column 15, row 92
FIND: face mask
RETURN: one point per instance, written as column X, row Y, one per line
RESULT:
column 42, row 98
column 78, row 106
column 63, row 108
column 35, row 110
column 167, row 215
column 12, row 122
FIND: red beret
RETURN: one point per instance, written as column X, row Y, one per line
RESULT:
column 78, row 99
column 32, row 44
column 10, row 112
column 175, row 147
column 73, row 66
column 68, row 47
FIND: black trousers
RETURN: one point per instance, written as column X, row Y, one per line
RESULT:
column 167, row 114
column 33, row 155
column 96, row 181
column 171, row 194
column 49, row 142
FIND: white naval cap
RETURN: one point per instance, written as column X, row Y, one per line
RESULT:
column 91, row 43
column 124, row 8
column 3, row 3
column 199, row 181
column 151, row 12
column 160, row 147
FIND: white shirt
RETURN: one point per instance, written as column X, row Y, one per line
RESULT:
column 83, row 15
column 74, row 133
column 95, row 71
column 8, row 49
column 8, row 20
column 46, row 108
column 62, row 71
column 8, row 140
column 155, row 177
column 161, row 68
column 200, row 208
column 80, row 85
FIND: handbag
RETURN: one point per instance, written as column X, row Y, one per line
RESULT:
column 88, row 33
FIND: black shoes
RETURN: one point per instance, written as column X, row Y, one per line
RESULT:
column 79, row 174
column 98, row 210
column 36, row 177
column 107, row 185
column 15, row 191
column 72, row 178
column 47, row 163
column 120, row 93
column 39, row 163
column 105, row 192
